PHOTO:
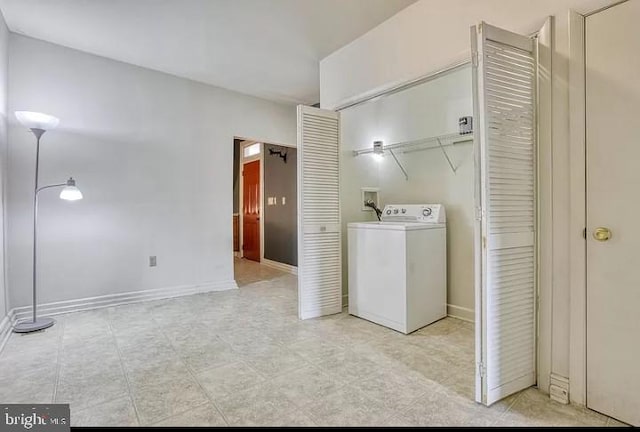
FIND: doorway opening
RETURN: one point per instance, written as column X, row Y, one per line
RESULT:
column 264, row 211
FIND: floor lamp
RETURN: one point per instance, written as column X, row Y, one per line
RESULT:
column 39, row 123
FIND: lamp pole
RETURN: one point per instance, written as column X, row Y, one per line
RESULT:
column 38, row 133
column 70, row 192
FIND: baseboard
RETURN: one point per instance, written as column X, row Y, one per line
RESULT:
column 5, row 329
column 280, row 266
column 460, row 312
column 559, row 388
column 89, row 303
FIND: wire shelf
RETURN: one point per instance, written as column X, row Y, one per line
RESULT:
column 439, row 141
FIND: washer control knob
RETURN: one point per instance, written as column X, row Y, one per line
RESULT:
column 426, row 212
column 395, row 211
column 404, row 211
column 389, row 211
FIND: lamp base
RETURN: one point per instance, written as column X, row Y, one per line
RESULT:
column 28, row 326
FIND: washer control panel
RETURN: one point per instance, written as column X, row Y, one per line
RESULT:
column 425, row 213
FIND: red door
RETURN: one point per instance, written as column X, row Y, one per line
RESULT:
column 251, row 211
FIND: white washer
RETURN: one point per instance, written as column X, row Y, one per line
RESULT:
column 398, row 267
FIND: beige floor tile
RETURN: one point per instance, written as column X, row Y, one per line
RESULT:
column 119, row 412
column 132, row 339
column 41, row 341
column 147, row 357
column 447, row 409
column 248, row 272
column 166, row 370
column 316, row 349
column 220, row 382
column 208, row 354
column 275, row 361
column 242, row 357
column 248, row 341
column 347, row 366
column 27, row 386
column 159, row 400
column 348, row 407
column 394, row 390
column 306, row 385
column 615, row 423
column 28, row 357
column 263, row 405
column 536, row 409
column 82, row 391
column 205, row 415
column 89, row 368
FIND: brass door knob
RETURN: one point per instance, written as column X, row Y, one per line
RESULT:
column 602, row 234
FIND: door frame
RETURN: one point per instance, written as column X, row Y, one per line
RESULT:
column 577, row 205
column 243, row 161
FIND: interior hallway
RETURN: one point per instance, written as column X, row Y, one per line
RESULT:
column 242, row 357
column 248, row 272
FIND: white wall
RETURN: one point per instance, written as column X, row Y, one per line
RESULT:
column 425, row 37
column 430, row 109
column 152, row 154
column 432, row 34
column 4, row 46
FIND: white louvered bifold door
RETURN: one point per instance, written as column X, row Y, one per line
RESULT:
column 319, row 237
column 505, row 136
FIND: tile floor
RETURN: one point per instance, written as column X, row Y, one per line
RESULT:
column 242, row 357
column 248, row 272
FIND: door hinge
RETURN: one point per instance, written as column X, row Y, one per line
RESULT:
column 482, row 370
column 479, row 213
column 474, row 58
column 584, row 233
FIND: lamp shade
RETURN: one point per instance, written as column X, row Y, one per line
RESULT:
column 70, row 191
column 36, row 120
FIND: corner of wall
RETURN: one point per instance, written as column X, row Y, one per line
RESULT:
column 4, row 60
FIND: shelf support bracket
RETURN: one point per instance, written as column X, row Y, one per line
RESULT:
column 453, row 168
column 406, row 176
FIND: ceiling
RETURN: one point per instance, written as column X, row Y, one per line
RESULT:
column 266, row 48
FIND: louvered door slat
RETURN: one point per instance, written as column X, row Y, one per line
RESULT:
column 504, row 83
column 319, row 239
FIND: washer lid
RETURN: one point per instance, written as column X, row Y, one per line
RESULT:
column 398, row 226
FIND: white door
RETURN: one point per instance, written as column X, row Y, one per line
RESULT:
column 504, row 66
column 319, row 233
column 613, row 205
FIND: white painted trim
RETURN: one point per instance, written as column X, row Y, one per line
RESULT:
column 280, row 266
column 88, row 303
column 463, row 313
column 244, row 161
column 577, row 215
column 559, row 388
column 345, row 301
column 545, row 48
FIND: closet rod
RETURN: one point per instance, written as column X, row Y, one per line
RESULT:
column 406, row 85
column 417, row 145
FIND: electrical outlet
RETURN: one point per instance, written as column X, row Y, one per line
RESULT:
column 153, row 261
